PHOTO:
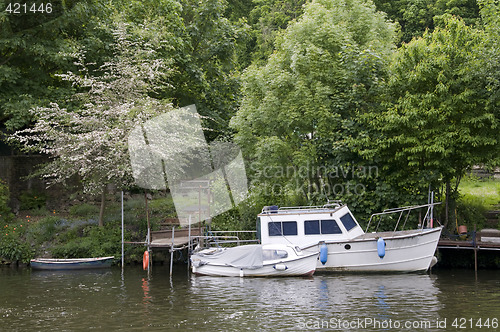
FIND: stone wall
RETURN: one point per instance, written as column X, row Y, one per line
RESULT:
column 15, row 170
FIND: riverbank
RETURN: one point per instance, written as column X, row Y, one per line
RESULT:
column 72, row 231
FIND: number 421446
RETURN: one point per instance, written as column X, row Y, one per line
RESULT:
column 463, row 323
column 26, row 8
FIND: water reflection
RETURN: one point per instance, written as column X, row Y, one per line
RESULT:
column 324, row 297
column 108, row 299
column 383, row 306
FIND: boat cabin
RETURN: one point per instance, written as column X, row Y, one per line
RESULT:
column 307, row 226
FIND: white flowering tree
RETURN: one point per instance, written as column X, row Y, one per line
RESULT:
column 90, row 141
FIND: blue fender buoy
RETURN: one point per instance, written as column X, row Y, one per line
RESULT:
column 381, row 247
column 323, row 254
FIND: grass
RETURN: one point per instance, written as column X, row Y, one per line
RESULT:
column 477, row 196
column 484, row 191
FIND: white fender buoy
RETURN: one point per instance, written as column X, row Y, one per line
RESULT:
column 280, row 267
column 323, row 254
column 434, row 261
column 381, row 247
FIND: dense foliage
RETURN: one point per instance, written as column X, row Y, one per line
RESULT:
column 368, row 101
column 300, row 107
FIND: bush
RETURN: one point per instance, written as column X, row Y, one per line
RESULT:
column 44, row 230
column 12, row 245
column 471, row 211
column 163, row 207
column 32, row 199
column 84, row 210
column 94, row 242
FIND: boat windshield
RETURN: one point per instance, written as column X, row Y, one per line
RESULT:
column 348, row 221
column 270, row 254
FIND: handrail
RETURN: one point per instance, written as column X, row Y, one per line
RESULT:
column 305, row 207
column 292, row 209
column 400, row 210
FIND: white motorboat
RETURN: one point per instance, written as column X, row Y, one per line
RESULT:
column 255, row 260
column 344, row 246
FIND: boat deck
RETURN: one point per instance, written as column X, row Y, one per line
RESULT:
column 390, row 234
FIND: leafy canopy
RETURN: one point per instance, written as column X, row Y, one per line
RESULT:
column 298, row 108
column 439, row 118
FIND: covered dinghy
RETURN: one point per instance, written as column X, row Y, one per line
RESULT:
column 243, row 257
column 254, row 261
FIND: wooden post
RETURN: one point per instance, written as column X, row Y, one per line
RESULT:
column 150, row 263
column 475, row 250
column 172, row 251
column 123, row 242
column 189, row 243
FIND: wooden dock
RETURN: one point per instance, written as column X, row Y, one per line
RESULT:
column 486, row 239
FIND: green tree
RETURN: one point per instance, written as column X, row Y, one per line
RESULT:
column 268, row 18
column 417, row 16
column 90, row 141
column 34, row 48
column 202, row 45
column 298, row 108
column 490, row 59
column 438, row 120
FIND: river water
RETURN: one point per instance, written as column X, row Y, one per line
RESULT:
column 446, row 300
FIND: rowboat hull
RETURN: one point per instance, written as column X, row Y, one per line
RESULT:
column 71, row 264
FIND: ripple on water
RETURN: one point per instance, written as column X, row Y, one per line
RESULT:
column 107, row 300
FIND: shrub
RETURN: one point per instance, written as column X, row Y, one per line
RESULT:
column 44, row 230
column 32, row 199
column 12, row 245
column 471, row 210
column 84, row 210
column 94, row 242
column 163, row 207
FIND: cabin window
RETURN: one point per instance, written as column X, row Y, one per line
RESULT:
column 275, row 229
column 330, row 227
column 289, row 228
column 269, row 255
column 348, row 221
column 313, row 227
column 282, row 228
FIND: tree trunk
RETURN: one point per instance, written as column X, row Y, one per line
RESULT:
column 103, row 205
column 447, row 203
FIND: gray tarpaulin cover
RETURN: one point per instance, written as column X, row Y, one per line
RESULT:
column 247, row 257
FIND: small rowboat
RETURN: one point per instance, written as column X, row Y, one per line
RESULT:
column 71, row 263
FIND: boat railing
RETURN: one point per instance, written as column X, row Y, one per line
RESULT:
column 293, row 209
column 216, row 238
column 401, row 211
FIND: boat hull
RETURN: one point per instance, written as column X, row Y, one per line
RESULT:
column 71, row 264
column 301, row 266
column 405, row 251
